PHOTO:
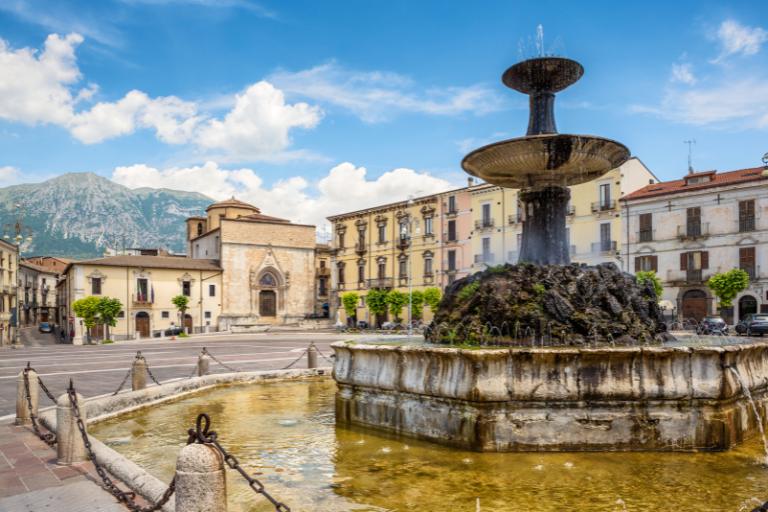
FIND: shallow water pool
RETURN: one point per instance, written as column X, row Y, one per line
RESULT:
column 285, row 434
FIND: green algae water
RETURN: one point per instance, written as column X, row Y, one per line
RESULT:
column 285, row 435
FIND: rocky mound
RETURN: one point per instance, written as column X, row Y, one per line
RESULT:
column 548, row 305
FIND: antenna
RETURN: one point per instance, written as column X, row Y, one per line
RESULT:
column 690, row 154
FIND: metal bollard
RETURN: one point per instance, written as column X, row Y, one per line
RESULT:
column 200, row 480
column 139, row 373
column 311, row 355
column 22, row 407
column 70, row 448
column 203, row 363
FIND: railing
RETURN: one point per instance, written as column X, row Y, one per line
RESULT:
column 360, row 248
column 604, row 246
column 452, row 211
column 381, row 282
column 686, row 276
column 646, row 235
column 403, row 242
column 484, row 224
column 603, row 206
column 142, row 299
column 746, row 224
column 751, row 271
column 692, row 230
column 484, row 258
column 515, row 218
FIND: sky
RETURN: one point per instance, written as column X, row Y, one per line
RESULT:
column 308, row 108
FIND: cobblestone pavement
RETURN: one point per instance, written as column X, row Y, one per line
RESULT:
column 99, row 369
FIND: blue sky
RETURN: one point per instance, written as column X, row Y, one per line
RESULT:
column 311, row 108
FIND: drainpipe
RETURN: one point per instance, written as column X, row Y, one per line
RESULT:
column 127, row 306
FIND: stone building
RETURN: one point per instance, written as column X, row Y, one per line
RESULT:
column 686, row 230
column 37, row 294
column 145, row 285
column 9, row 268
column 268, row 264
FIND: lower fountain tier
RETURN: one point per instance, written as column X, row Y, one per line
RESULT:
column 634, row 398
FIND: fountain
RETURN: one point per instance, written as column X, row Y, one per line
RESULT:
column 589, row 367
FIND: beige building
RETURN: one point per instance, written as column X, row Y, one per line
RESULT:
column 145, row 285
column 37, row 294
column 268, row 264
column 9, row 267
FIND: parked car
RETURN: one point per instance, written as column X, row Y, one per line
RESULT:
column 362, row 324
column 173, row 331
column 45, row 327
column 754, row 324
column 712, row 325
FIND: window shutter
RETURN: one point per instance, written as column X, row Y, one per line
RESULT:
column 655, row 263
column 683, row 261
column 704, row 260
column 637, row 264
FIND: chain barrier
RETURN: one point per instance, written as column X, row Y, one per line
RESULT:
column 47, row 437
column 205, row 351
column 45, row 389
column 295, row 360
column 327, row 358
column 125, row 379
column 146, row 365
column 201, row 434
column 128, row 498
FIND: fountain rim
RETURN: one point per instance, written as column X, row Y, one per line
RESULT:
column 512, row 75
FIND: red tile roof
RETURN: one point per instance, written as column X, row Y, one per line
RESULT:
column 718, row 179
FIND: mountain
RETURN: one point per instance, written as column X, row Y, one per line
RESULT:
column 79, row 215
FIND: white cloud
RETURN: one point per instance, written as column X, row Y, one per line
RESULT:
column 738, row 39
column 9, row 176
column 377, row 96
column 683, row 73
column 346, row 187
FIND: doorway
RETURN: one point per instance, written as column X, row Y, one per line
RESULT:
column 695, row 305
column 747, row 306
column 188, row 323
column 267, row 303
column 142, row 324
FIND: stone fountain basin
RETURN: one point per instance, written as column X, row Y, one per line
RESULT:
column 545, row 160
column 666, row 398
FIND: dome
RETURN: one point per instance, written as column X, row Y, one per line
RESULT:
column 233, row 203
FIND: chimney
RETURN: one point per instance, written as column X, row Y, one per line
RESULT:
column 470, row 181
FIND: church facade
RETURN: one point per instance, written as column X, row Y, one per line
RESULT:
column 268, row 264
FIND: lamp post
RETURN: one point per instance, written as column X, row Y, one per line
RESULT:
column 15, row 232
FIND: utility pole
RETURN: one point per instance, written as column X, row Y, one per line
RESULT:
column 690, row 143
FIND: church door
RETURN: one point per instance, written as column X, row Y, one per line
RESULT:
column 267, row 303
column 142, row 324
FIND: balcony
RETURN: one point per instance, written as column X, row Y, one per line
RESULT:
column 403, row 242
column 140, row 299
column 515, row 218
column 452, row 212
column 604, row 247
column 603, row 206
column 751, row 271
column 484, row 224
column 360, row 248
column 646, row 235
column 746, row 224
column 381, row 282
column 484, row 258
column 682, row 277
column 693, row 230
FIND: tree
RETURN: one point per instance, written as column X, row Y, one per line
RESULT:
column 727, row 285
column 108, row 309
column 87, row 308
column 417, row 304
column 377, row 302
column 396, row 300
column 644, row 276
column 181, row 302
column 432, row 297
column 349, row 300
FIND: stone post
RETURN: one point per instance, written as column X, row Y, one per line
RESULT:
column 138, row 373
column 203, row 363
column 311, row 356
column 70, row 448
column 22, row 407
column 201, row 484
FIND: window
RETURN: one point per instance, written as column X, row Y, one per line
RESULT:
column 487, row 256
column 382, row 233
column 197, row 251
column 322, row 264
column 186, row 288
column 207, row 314
column 341, row 273
column 361, row 238
column 451, row 260
column 486, row 209
column 693, row 263
column 361, row 273
column 746, row 215
column 646, row 227
column 452, row 204
column 747, row 260
column 211, row 290
column 165, row 314
column 322, row 287
column 142, row 290
column 341, row 240
column 95, row 286
column 403, row 268
column 647, row 263
column 382, row 269
column 693, row 221
column 268, row 279
column 428, row 226
column 605, row 237
column 428, row 266
column 199, row 228
column 605, row 196
column 451, row 230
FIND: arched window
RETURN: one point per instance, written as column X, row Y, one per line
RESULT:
column 268, row 279
column 199, row 228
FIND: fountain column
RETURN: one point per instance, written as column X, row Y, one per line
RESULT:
column 544, row 240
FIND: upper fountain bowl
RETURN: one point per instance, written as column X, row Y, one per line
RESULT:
column 544, row 74
column 545, row 160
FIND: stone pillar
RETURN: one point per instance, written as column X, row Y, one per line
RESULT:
column 312, row 356
column 201, row 484
column 544, row 241
column 22, row 407
column 138, row 374
column 70, row 448
column 203, row 363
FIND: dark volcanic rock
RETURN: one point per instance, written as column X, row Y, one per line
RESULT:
column 551, row 305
